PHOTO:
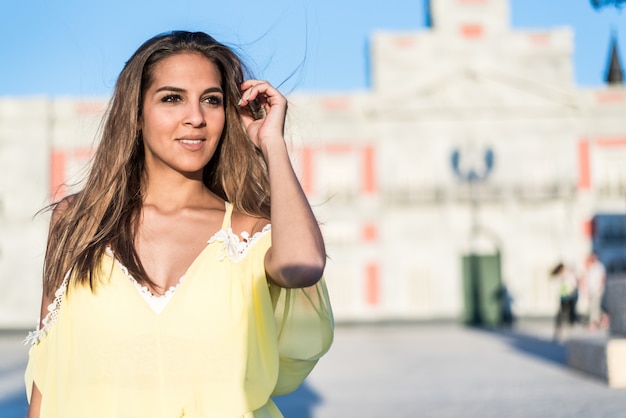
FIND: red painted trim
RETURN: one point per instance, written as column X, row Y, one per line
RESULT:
column 336, row 103
column 307, row 170
column 369, row 170
column 609, row 97
column 588, row 228
column 539, row 39
column 472, row 31
column 338, row 148
column 372, row 284
column 369, row 232
column 584, row 168
column 58, row 164
column 405, row 42
column 610, row 142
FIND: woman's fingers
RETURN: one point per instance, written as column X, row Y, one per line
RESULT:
column 261, row 91
column 263, row 111
column 252, row 100
column 256, row 108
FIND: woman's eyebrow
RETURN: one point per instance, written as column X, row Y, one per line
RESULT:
column 180, row 90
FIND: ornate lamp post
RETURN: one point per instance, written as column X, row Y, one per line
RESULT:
column 473, row 170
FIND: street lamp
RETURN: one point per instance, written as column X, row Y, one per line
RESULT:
column 472, row 171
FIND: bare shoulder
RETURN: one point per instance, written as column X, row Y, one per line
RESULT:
column 241, row 222
column 260, row 224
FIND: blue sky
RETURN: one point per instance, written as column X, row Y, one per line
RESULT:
column 77, row 47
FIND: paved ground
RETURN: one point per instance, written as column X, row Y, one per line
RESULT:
column 417, row 371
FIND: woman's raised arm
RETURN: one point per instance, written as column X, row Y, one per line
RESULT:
column 297, row 257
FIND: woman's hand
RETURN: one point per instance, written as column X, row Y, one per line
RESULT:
column 270, row 127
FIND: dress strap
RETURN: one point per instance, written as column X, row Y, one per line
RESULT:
column 227, row 215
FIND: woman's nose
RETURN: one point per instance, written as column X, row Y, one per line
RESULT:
column 195, row 116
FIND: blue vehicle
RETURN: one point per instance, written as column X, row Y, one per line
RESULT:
column 609, row 242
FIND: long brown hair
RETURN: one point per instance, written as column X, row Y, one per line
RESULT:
column 106, row 211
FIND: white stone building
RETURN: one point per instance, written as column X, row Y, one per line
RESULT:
column 380, row 168
column 397, row 218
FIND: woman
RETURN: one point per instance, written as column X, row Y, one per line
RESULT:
column 173, row 285
column 568, row 296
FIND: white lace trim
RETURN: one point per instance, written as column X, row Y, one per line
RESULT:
column 233, row 247
column 34, row 337
column 156, row 302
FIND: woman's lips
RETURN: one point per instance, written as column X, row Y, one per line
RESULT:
column 191, row 144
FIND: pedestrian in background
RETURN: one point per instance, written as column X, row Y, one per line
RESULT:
column 567, row 296
column 595, row 283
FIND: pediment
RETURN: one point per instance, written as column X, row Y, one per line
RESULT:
column 487, row 88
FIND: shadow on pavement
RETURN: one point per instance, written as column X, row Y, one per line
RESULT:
column 14, row 406
column 299, row 404
column 539, row 347
column 545, row 349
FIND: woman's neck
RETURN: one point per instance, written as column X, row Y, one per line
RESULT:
column 176, row 191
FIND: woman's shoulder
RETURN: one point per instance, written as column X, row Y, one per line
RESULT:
column 243, row 222
column 260, row 225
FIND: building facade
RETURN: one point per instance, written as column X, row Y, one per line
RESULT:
column 473, row 139
column 473, row 158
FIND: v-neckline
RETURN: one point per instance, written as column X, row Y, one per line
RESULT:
column 183, row 279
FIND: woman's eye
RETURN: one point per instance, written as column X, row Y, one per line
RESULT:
column 213, row 100
column 171, row 98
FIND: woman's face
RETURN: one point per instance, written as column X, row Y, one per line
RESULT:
column 183, row 115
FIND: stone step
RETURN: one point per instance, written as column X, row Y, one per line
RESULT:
column 616, row 305
column 604, row 357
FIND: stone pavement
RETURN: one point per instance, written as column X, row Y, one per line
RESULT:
column 417, row 370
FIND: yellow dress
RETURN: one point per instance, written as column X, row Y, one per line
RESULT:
column 225, row 342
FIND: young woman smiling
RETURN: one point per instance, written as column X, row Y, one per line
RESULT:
column 185, row 279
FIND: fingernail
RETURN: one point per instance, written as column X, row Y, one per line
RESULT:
column 239, row 102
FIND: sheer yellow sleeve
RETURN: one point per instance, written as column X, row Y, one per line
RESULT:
column 35, row 370
column 304, row 323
